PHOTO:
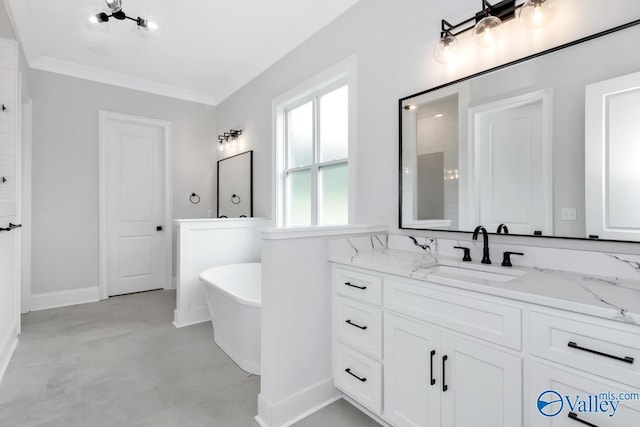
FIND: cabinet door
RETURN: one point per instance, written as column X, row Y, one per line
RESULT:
column 411, row 373
column 483, row 385
column 569, row 399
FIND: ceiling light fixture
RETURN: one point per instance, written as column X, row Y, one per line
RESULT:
column 115, row 7
column 487, row 24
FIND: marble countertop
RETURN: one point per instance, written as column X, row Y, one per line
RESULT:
column 611, row 298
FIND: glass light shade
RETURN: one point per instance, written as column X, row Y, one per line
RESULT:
column 487, row 31
column 114, row 5
column 447, row 49
column 537, row 13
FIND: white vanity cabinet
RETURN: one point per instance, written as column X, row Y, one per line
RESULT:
column 357, row 333
column 436, row 353
column 549, row 376
column 419, row 354
column 433, row 377
column 579, row 356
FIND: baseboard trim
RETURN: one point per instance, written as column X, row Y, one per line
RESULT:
column 64, row 298
column 182, row 319
column 289, row 411
column 6, row 351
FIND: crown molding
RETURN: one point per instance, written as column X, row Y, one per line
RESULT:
column 72, row 69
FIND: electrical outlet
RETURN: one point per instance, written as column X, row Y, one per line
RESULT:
column 568, row 214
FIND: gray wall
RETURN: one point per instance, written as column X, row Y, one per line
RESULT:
column 65, row 170
column 6, row 30
column 393, row 44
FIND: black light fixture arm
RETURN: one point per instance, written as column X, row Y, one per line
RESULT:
column 505, row 10
column 121, row 16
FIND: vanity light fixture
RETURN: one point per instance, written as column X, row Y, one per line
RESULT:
column 228, row 139
column 115, row 8
column 487, row 24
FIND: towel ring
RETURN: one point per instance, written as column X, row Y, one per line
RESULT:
column 235, row 199
column 194, row 198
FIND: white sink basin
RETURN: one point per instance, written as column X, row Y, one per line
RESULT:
column 479, row 273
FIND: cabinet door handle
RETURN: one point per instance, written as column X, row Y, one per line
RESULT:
column 355, row 286
column 445, row 387
column 574, row 417
column 348, row 371
column 433, row 380
column 353, row 324
column 626, row 359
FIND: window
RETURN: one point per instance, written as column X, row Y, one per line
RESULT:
column 314, row 141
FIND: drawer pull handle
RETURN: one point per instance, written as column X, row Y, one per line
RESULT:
column 445, row 387
column 355, row 286
column 574, row 417
column 433, row 380
column 626, row 359
column 348, row 371
column 353, row 324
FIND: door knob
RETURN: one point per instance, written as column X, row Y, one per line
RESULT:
column 159, row 228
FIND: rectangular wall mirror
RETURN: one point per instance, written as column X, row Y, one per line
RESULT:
column 235, row 186
column 507, row 146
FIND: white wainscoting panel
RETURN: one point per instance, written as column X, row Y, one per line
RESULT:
column 206, row 243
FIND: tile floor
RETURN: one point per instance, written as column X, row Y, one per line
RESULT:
column 121, row 363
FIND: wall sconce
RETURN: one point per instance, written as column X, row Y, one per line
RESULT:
column 487, row 24
column 228, row 139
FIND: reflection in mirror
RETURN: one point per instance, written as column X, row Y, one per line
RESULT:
column 507, row 146
column 235, row 186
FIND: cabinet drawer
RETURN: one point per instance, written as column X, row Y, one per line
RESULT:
column 358, row 376
column 569, row 385
column 493, row 322
column 359, row 325
column 354, row 284
column 600, row 349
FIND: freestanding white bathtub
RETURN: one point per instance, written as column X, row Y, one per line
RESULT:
column 234, row 297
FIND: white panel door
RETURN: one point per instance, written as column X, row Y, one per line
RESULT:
column 484, row 385
column 612, row 155
column 135, row 200
column 412, row 380
column 512, row 168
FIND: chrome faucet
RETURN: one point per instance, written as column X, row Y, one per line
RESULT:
column 485, row 238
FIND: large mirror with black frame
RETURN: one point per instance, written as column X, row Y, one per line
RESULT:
column 548, row 145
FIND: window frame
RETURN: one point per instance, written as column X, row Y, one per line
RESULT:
column 316, row 164
column 342, row 73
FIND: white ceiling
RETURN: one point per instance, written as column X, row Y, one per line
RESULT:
column 207, row 49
